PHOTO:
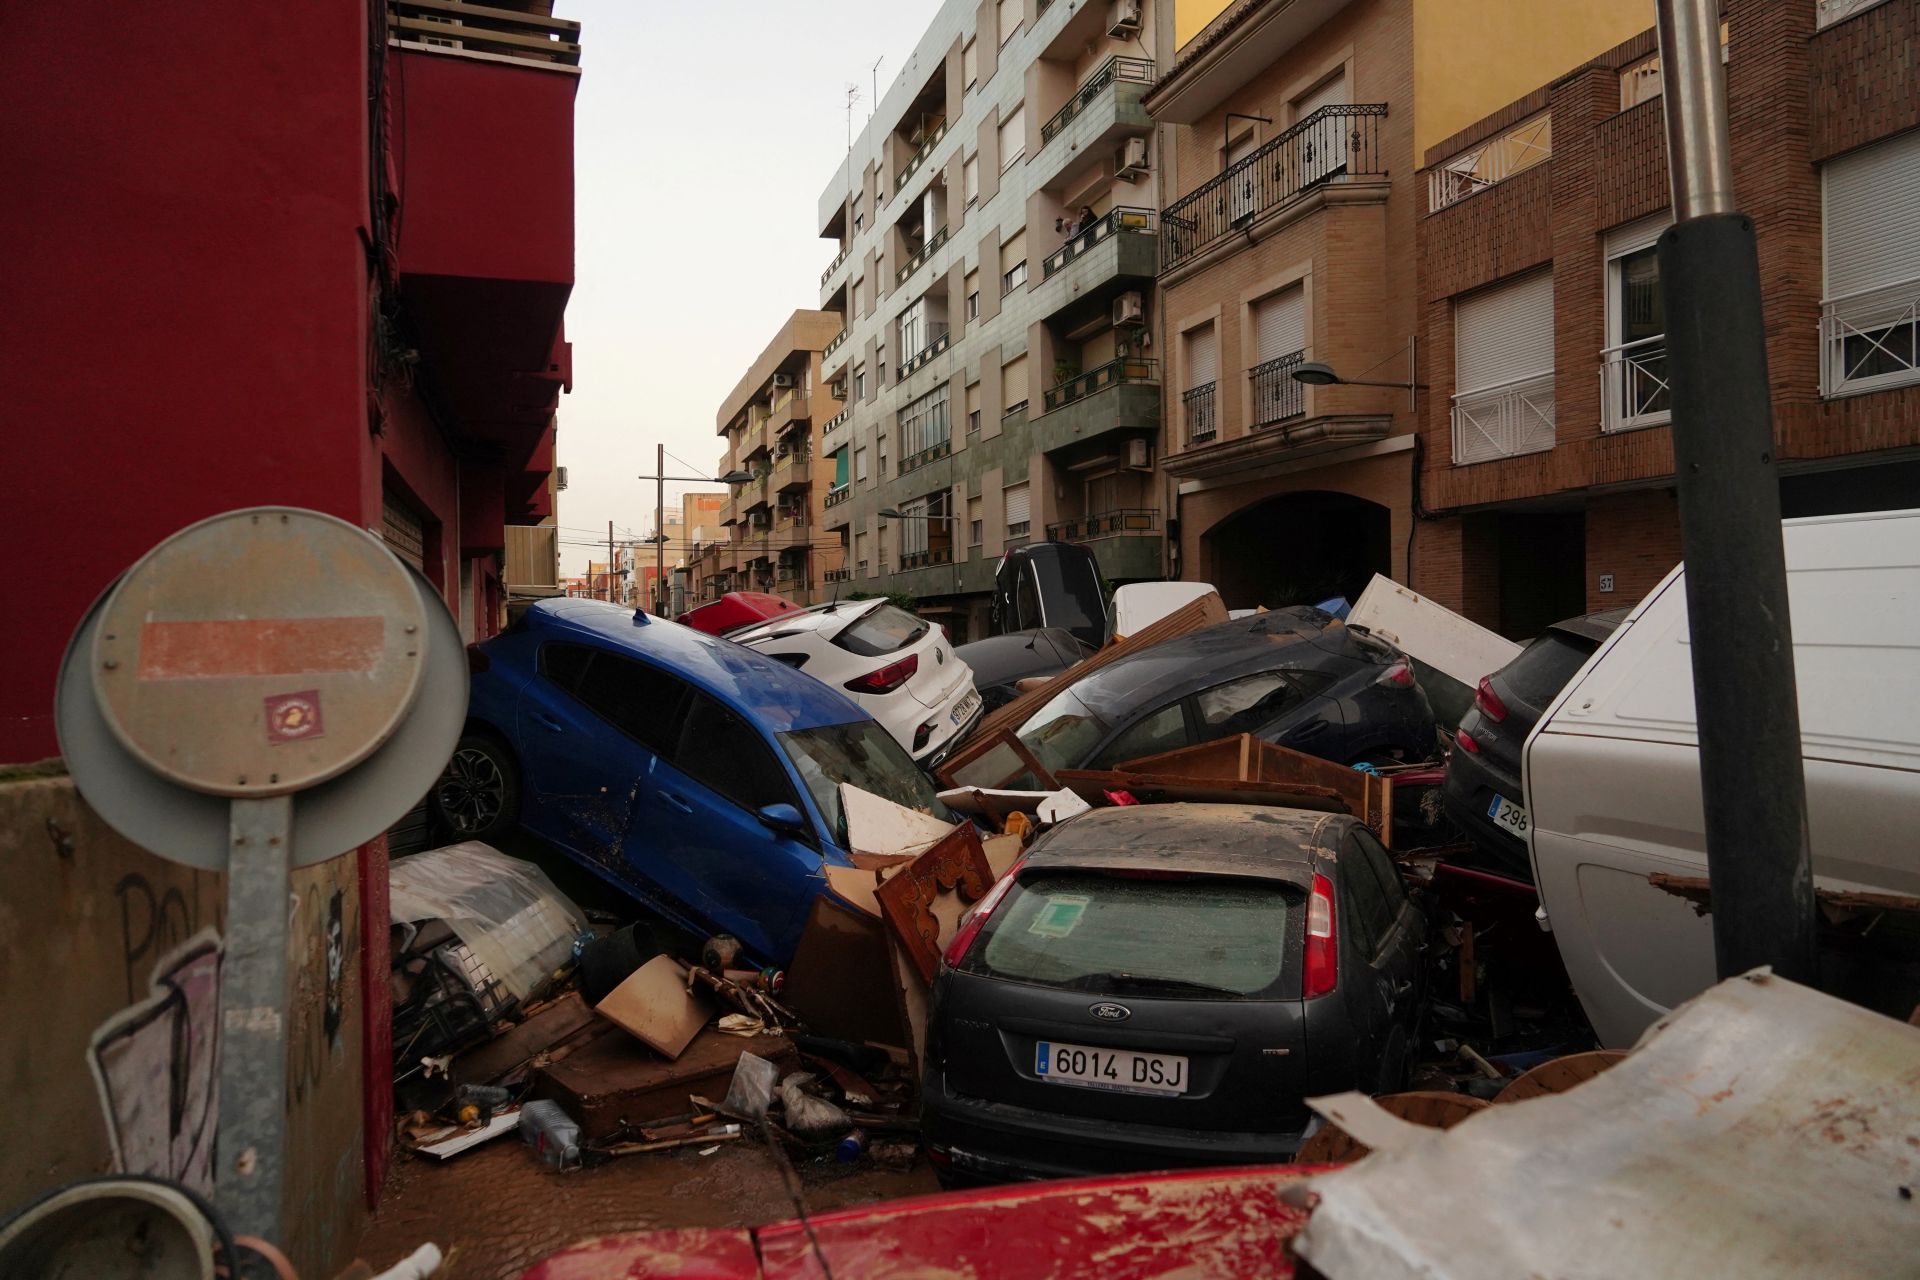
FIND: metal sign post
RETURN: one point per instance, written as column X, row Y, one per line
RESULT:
column 266, row 689
column 1746, row 704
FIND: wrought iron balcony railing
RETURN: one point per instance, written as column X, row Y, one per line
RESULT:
column 1196, row 406
column 1134, row 70
column 1123, row 218
column 1277, row 394
column 1105, row 524
column 919, row 157
column 919, row 259
column 1332, row 143
column 1504, row 420
column 1114, row 372
column 1633, row 384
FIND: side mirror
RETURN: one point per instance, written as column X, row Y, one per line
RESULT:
column 785, row 820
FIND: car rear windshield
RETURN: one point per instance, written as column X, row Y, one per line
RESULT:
column 867, row 756
column 1209, row 937
column 1544, row 667
column 882, row 631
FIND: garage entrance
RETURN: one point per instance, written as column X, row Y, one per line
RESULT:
column 1298, row 548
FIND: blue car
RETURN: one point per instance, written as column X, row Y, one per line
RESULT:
column 695, row 773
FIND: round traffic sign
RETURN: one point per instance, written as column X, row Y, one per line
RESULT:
column 259, row 652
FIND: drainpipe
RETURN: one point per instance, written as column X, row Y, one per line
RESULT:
column 1747, row 708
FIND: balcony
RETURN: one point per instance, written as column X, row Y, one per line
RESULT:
column 919, row 259
column 1105, row 525
column 533, row 560
column 1125, row 541
column 1113, row 373
column 837, row 575
column 925, row 559
column 1277, row 395
column 833, row 344
column 942, row 338
column 837, row 420
column 839, row 260
column 912, row 166
column 933, row 453
column 1332, row 145
column 1492, row 162
column 1503, row 421
column 795, row 471
column 837, row 496
column 790, row 409
column 1197, row 412
column 789, row 519
column 1633, row 385
column 1114, row 70
column 1870, row 340
column 1121, row 220
column 836, row 512
column 503, row 35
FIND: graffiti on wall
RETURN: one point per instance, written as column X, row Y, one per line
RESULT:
column 157, row 1066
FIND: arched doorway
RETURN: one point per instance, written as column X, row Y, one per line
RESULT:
column 1298, row 548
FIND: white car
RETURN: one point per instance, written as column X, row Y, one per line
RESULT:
column 902, row 670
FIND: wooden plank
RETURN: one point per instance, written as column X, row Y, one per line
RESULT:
column 923, row 902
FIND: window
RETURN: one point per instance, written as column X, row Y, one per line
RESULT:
column 1641, row 82
column 971, row 170
column 865, row 755
column 1013, row 138
column 859, row 223
column 860, row 383
column 860, row 465
column 1240, row 195
column 1503, row 370
column 1280, row 339
column 722, row 751
column 1247, row 705
column 565, row 664
column 973, row 304
column 913, row 327
column 1014, row 278
column 1870, row 318
column 1007, row 18
column 1322, row 147
column 976, row 527
column 973, row 406
column 970, row 64
column 886, row 629
column 880, row 358
column 642, row 702
column 1200, row 356
column 1019, row 512
column 1013, row 262
column 927, row 422
column 1013, row 383
column 1164, row 730
column 1372, row 885
column 1634, row 364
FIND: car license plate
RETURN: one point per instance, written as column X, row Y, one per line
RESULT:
column 1506, row 813
column 965, row 708
column 1119, row 1069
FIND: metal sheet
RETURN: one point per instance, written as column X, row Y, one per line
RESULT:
column 259, row 652
column 1761, row 1130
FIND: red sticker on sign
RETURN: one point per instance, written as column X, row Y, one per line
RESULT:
column 293, row 717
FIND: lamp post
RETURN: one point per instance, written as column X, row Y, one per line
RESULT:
column 659, row 539
column 1314, row 374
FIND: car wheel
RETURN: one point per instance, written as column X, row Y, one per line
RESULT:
column 478, row 794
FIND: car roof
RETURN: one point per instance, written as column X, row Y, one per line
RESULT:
column 772, row 693
column 1592, row 626
column 1259, row 841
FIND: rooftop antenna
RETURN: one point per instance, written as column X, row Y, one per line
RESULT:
column 876, row 81
column 853, row 96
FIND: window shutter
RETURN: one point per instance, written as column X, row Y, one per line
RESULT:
column 1333, row 93
column 970, row 64
column 403, row 531
column 1013, row 137
column 972, row 171
column 1007, row 18
column 1014, row 251
column 1203, row 356
column 1504, row 333
column 1013, row 381
column 1018, row 510
column 1873, row 216
column 1280, row 320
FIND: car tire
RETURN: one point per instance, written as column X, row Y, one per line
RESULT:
column 478, row 793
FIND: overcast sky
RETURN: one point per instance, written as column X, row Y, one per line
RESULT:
column 703, row 136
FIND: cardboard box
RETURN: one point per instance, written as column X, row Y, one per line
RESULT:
column 654, row 1005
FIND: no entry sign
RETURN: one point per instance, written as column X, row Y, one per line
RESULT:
column 260, row 652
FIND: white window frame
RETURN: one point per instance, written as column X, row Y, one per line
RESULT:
column 1511, row 417
column 1621, row 243
column 1017, row 116
column 1875, row 311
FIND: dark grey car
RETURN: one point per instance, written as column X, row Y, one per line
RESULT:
column 1159, row 986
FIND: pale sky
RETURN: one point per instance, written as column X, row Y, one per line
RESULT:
column 703, row 136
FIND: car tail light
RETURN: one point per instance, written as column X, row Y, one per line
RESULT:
column 1323, row 947
column 1467, row 744
column 970, row 927
column 477, row 660
column 1399, row 675
column 924, row 732
column 887, row 678
column 1489, row 702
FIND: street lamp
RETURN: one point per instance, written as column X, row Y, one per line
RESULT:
column 659, row 539
column 1315, row 374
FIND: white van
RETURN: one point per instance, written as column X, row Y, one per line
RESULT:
column 1612, row 771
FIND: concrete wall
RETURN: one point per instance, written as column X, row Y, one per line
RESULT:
column 107, row 955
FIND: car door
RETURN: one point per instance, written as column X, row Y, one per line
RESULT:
column 701, row 841
column 1392, row 958
column 1272, row 705
column 1165, row 729
column 590, row 724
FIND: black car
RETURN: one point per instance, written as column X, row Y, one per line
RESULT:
column 1000, row 663
column 1482, row 792
column 1050, row 584
column 1293, row 676
column 1160, row 986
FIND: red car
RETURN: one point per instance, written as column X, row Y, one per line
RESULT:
column 736, row 609
column 1198, row 1223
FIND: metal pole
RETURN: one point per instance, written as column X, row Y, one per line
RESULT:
column 251, row 1147
column 609, row 562
column 659, row 524
column 1751, row 781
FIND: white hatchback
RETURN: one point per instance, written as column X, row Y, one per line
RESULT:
column 901, row 669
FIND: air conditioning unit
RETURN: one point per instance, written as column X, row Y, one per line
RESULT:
column 1139, row 453
column 559, row 477
column 1130, row 161
column 782, row 380
column 1123, row 18
column 1129, row 308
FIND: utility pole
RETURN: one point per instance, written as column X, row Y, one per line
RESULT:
column 659, row 525
column 609, row 562
column 1745, row 700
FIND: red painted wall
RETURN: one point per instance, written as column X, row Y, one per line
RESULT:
column 184, row 314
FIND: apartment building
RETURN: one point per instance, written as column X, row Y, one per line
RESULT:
column 994, row 265
column 771, row 426
column 1287, row 252
column 1547, row 460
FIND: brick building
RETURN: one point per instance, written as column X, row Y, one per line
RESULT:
column 1547, row 462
